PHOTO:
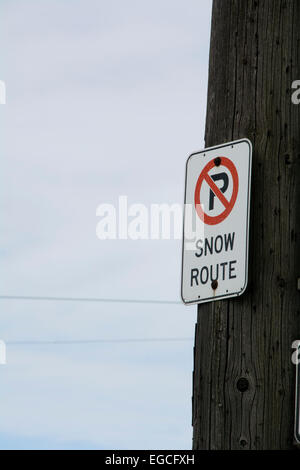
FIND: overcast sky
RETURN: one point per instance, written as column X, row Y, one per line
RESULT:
column 104, row 98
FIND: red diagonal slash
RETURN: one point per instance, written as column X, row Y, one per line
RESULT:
column 217, row 191
column 228, row 205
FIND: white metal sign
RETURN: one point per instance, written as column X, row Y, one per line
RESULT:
column 216, row 223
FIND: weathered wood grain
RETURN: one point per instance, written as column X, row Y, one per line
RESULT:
column 254, row 58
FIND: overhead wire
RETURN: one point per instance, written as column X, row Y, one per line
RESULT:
column 89, row 299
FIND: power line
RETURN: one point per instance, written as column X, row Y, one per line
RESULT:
column 89, row 299
column 95, row 341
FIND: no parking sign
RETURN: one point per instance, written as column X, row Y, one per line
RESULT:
column 216, row 223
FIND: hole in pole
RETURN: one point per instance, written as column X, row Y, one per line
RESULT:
column 242, row 384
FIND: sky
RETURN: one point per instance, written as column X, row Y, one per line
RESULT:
column 104, row 98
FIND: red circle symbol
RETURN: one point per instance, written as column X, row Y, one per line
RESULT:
column 204, row 176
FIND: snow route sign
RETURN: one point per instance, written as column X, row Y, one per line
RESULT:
column 216, row 223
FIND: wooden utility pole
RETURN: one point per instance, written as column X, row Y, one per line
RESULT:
column 243, row 392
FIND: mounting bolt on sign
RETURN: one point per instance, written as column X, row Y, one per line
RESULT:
column 216, row 223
